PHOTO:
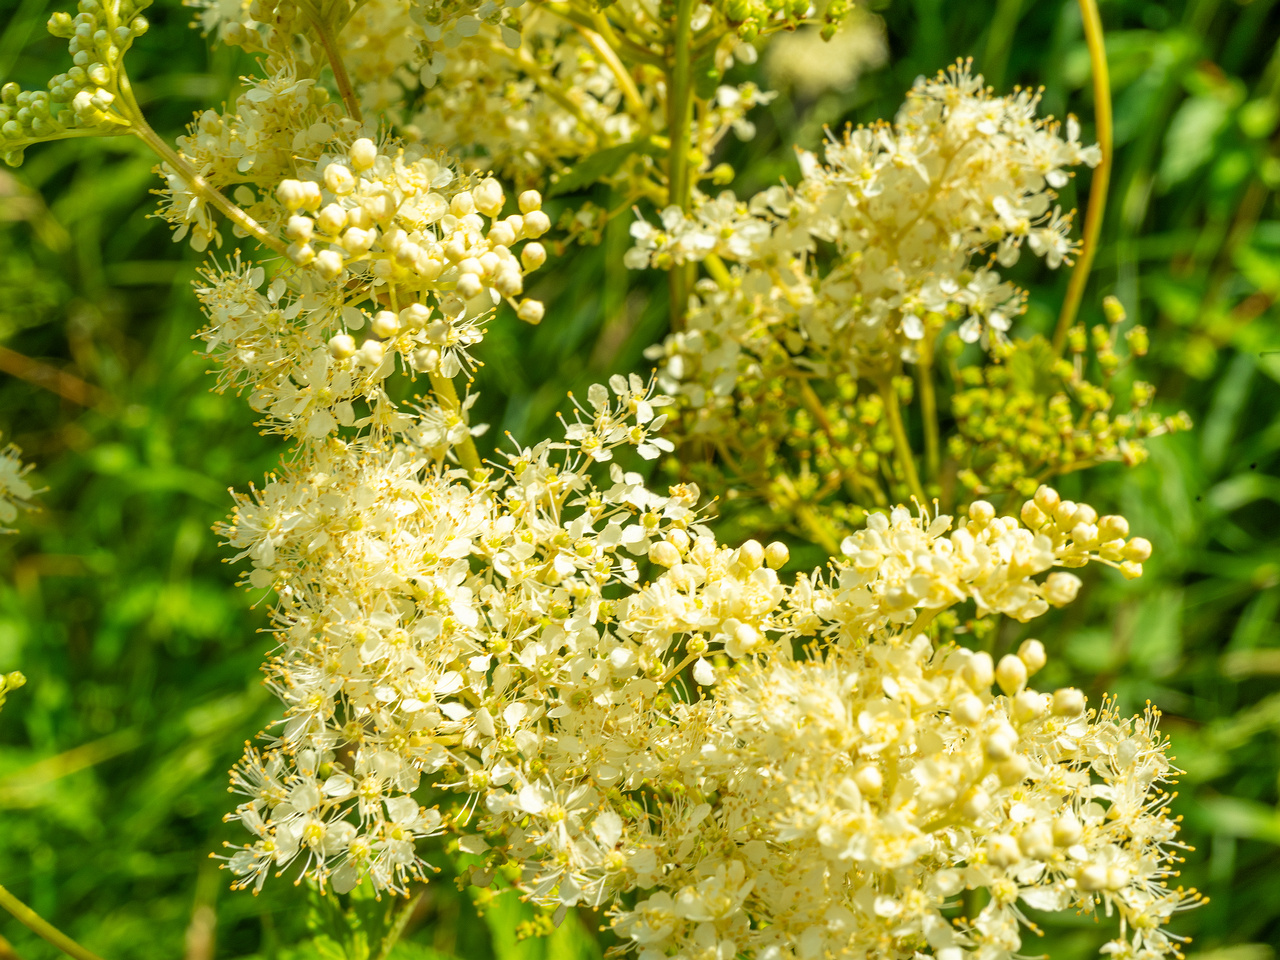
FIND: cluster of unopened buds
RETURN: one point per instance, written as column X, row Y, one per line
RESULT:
column 83, row 97
column 380, row 214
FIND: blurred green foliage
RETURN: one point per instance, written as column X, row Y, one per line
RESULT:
column 142, row 655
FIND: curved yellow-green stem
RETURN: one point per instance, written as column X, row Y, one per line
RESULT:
column 1101, row 174
column 43, row 928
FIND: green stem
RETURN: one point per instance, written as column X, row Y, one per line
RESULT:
column 679, row 120
column 719, row 272
column 854, row 478
column 626, row 82
column 929, row 413
column 340, row 77
column 901, row 445
column 199, row 186
column 448, row 397
column 43, row 928
column 625, row 46
column 398, row 925
column 1101, row 174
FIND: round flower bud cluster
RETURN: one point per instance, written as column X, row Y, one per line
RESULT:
column 402, row 227
column 916, row 210
column 750, row 19
column 16, row 492
column 84, row 99
column 1029, row 415
column 393, row 249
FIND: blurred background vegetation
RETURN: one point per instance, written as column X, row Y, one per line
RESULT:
column 142, row 655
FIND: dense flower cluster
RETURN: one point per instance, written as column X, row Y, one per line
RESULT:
column 907, row 207
column 15, row 491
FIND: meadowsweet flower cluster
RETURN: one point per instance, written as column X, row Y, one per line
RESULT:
column 840, row 800
column 559, row 662
column 16, row 492
column 907, row 206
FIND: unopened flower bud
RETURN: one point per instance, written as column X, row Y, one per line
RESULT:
column 1033, row 516
column 979, row 672
column 1061, row 588
column 975, row 803
column 291, row 194
column 469, row 285
column 536, row 223
column 1001, row 743
column 530, row 200
column 339, row 179
column 371, row 353
column 462, row 204
column 1047, row 499
column 1091, row 877
column 530, row 311
column 356, row 241
column 1014, row 770
column 967, row 710
column 664, row 554
column 1138, row 549
column 363, row 154
column 301, row 253
column 1036, row 841
column 1112, row 528
column 1130, row 570
column 1028, row 705
column 501, row 234
column 776, row 555
column 299, row 228
column 533, row 256
column 509, row 283
column 342, row 346
column 1067, row 830
column 867, row 778
column 1031, row 653
column 488, row 197
column 331, row 219
column 1084, row 514
column 1002, row 850
column 981, row 511
column 1068, row 702
column 385, row 324
column 751, row 555
column 1011, row 674
column 329, row 263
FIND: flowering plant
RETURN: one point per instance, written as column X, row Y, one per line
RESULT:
column 608, row 705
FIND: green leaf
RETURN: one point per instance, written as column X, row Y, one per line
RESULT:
column 601, row 164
